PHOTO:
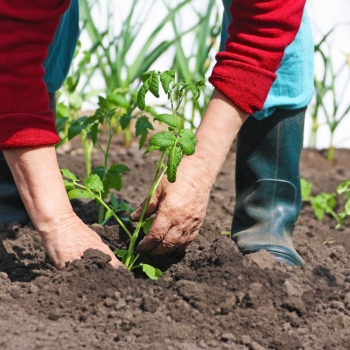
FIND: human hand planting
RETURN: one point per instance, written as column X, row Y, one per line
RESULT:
column 62, row 245
column 180, row 208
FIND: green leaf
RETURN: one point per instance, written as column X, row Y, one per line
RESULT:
column 187, row 147
column 306, row 188
column 188, row 135
column 80, row 194
column 114, row 201
column 122, row 253
column 319, row 211
column 94, row 183
column 347, row 207
column 94, row 130
column 169, row 120
column 145, row 76
column 102, row 102
column 100, row 171
column 125, row 121
column 154, row 85
column 323, row 203
column 113, row 180
column 120, row 168
column 142, row 127
column 68, row 185
column 166, row 78
column 60, row 123
column 151, row 272
column 344, row 187
column 147, row 225
column 152, row 148
column 163, row 140
column 141, row 97
column 66, row 173
column 174, row 159
column 74, row 130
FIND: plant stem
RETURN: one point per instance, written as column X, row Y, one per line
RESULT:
column 330, row 152
column 154, row 186
column 101, row 213
column 131, row 267
column 87, row 149
column 120, row 222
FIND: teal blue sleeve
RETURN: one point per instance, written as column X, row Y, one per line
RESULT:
column 293, row 87
column 62, row 49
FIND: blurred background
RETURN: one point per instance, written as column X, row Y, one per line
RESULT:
column 122, row 39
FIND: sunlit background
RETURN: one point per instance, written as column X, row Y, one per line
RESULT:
column 326, row 16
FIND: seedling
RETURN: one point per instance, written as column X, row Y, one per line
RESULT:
column 173, row 144
column 322, row 204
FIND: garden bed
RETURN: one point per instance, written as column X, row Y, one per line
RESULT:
column 210, row 297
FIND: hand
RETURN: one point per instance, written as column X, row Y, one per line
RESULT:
column 64, row 235
column 70, row 239
column 180, row 207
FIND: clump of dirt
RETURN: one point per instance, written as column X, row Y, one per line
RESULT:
column 210, row 297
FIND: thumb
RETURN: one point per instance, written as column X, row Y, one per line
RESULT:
column 152, row 208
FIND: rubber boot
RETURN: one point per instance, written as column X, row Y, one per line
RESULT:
column 268, row 194
column 11, row 205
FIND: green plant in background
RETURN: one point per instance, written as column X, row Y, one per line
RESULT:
column 70, row 97
column 334, row 106
column 344, row 188
column 120, row 57
column 173, row 145
column 195, row 64
column 322, row 204
column 106, row 120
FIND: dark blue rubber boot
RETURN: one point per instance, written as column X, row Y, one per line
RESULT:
column 268, row 195
column 11, row 205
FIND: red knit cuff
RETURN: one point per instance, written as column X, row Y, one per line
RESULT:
column 27, row 130
column 245, row 85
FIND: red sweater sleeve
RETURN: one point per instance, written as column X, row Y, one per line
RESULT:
column 27, row 29
column 258, row 36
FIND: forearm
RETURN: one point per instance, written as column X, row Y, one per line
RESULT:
column 259, row 33
column 38, row 179
column 27, row 30
column 218, row 129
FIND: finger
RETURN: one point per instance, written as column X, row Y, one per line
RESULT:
column 116, row 263
column 183, row 244
column 152, row 208
column 170, row 242
column 159, row 229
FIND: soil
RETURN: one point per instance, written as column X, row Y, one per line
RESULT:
column 210, row 297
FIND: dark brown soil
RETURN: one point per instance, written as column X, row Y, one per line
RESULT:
column 210, row 297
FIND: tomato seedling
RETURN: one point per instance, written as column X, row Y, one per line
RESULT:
column 174, row 143
column 322, row 204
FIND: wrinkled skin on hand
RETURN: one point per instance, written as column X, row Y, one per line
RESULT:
column 70, row 239
column 180, row 208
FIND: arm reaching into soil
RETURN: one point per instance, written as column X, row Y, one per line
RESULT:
column 181, row 206
column 39, row 181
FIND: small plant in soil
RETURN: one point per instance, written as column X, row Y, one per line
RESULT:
column 322, row 204
column 344, row 188
column 174, row 143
